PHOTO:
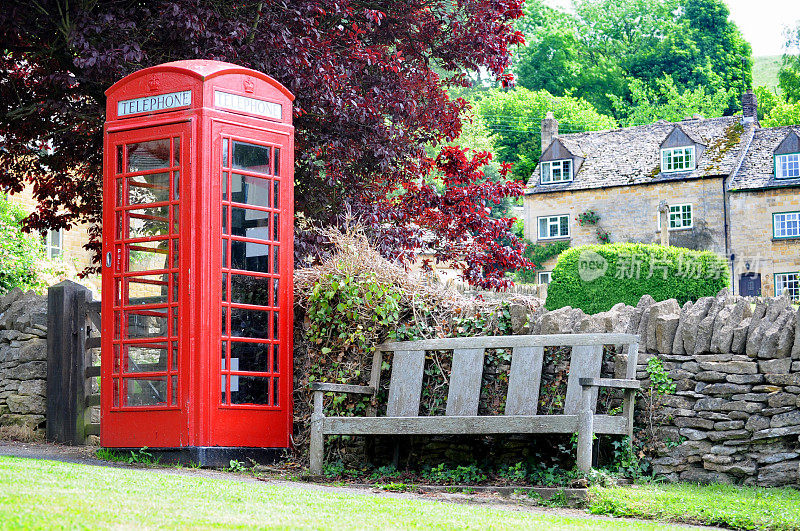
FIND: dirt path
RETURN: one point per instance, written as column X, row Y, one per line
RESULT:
column 85, row 455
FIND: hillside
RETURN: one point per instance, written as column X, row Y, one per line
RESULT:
column 765, row 71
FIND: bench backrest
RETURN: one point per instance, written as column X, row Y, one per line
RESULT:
column 524, row 380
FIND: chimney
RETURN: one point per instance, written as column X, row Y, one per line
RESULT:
column 549, row 130
column 749, row 107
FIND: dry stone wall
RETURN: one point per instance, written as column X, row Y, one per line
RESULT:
column 23, row 359
column 735, row 363
column 736, row 366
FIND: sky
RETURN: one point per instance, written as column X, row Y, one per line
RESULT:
column 761, row 21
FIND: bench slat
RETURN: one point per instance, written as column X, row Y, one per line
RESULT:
column 553, row 340
column 523, row 381
column 584, row 363
column 405, row 384
column 603, row 424
column 465, row 382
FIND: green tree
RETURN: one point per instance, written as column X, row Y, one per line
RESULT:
column 666, row 102
column 783, row 114
column 515, row 117
column 19, row 252
column 598, row 52
column 789, row 74
column 767, row 100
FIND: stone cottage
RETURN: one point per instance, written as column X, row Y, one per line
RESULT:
column 730, row 186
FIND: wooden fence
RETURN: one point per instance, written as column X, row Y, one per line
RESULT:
column 73, row 363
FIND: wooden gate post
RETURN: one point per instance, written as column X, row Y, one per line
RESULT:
column 67, row 359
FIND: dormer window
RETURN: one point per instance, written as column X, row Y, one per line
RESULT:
column 787, row 166
column 556, row 171
column 677, row 159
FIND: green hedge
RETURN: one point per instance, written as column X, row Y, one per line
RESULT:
column 596, row 277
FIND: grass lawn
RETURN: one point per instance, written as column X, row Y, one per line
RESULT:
column 765, row 71
column 721, row 505
column 36, row 494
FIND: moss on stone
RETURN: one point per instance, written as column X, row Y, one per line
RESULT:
column 729, row 139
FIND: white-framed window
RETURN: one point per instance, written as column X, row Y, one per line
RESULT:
column 677, row 159
column 680, row 217
column 786, row 225
column 787, row 283
column 54, row 243
column 554, row 227
column 787, row 166
column 544, row 277
column 556, row 171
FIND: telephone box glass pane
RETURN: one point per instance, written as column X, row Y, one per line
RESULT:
column 249, row 323
column 148, row 256
column 176, row 151
column 249, row 390
column 119, row 159
column 277, row 162
column 250, row 157
column 148, row 222
column 147, row 323
column 250, row 357
column 250, row 190
column 250, row 290
column 146, row 392
column 147, row 289
column 249, row 256
column 146, row 358
column 176, row 185
column 250, row 223
column 152, row 155
column 150, row 188
column 174, row 400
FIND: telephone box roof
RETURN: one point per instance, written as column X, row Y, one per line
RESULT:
column 202, row 69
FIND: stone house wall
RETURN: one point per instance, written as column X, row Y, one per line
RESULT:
column 23, row 359
column 630, row 214
column 751, row 236
column 75, row 258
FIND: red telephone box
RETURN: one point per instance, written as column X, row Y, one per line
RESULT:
column 197, row 261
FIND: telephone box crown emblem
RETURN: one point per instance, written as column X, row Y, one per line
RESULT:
column 154, row 84
column 249, row 86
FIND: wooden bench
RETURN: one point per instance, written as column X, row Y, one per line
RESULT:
column 461, row 416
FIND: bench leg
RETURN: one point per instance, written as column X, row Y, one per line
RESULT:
column 585, row 432
column 627, row 411
column 316, row 451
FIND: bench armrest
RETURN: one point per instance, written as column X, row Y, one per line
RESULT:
column 342, row 388
column 616, row 383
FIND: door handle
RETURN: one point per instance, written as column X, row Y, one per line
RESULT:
column 108, row 259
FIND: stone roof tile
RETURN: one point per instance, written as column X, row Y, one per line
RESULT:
column 757, row 169
column 622, row 157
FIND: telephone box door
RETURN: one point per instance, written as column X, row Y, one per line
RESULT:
column 143, row 250
column 252, row 168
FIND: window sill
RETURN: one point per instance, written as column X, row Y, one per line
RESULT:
column 677, row 229
column 552, row 240
column 556, row 182
column 785, row 238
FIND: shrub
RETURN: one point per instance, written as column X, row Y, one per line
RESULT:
column 596, row 277
column 19, row 252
